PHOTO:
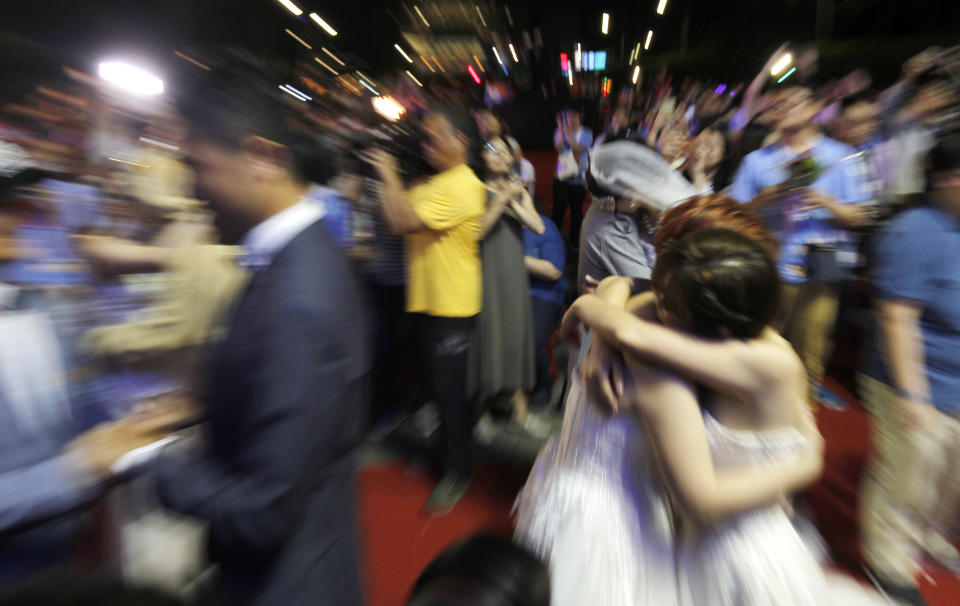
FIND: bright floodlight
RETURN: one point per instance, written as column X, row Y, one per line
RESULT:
column 388, row 107
column 290, row 6
column 646, row 45
column 661, row 7
column 605, row 26
column 326, row 26
column 781, row 64
column 131, row 79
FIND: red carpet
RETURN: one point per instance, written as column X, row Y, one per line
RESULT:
column 400, row 541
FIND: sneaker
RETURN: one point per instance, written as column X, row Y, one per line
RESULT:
column 896, row 591
column 829, row 399
column 447, row 494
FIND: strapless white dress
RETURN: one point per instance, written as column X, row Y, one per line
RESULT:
column 758, row 558
column 592, row 509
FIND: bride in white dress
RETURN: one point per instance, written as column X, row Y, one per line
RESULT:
column 591, row 505
column 594, row 508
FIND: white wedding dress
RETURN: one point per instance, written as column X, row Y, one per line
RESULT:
column 758, row 558
column 592, row 509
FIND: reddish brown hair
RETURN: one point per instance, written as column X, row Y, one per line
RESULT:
column 712, row 212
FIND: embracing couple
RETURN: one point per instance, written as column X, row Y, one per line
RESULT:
column 686, row 429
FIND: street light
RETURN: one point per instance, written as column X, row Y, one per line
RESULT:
column 605, row 25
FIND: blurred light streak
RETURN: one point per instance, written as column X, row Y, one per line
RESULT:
column 330, row 69
column 479, row 14
column 128, row 162
column 605, row 26
column 646, row 45
column 298, row 91
column 298, row 39
column 509, row 16
column 430, row 67
column 497, row 55
column 479, row 64
column 332, row 56
column 290, row 6
column 636, row 74
column 388, row 107
column 439, row 65
column 570, row 77
column 293, row 92
column 661, row 7
column 422, row 18
column 414, row 78
column 473, row 74
column 786, row 75
column 564, row 63
column 577, row 57
column 719, row 90
column 191, row 60
column 130, row 78
column 160, row 144
column 514, row 53
column 781, row 64
column 368, row 87
column 405, row 55
column 326, row 26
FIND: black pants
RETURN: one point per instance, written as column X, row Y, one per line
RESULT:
column 444, row 349
column 393, row 368
column 568, row 194
column 546, row 315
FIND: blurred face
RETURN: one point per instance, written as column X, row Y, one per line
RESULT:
column 488, row 125
column 795, row 109
column 946, row 186
column 572, row 120
column 930, row 102
column 710, row 146
column 497, row 156
column 859, row 123
column 443, row 146
column 619, row 120
column 225, row 181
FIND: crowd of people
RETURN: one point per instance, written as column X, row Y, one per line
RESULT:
column 208, row 309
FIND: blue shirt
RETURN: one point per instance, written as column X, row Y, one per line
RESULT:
column 550, row 247
column 584, row 137
column 917, row 257
column 794, row 225
column 337, row 214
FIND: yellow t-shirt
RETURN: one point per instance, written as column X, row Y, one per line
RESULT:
column 443, row 261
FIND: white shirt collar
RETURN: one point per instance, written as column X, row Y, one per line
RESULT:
column 265, row 240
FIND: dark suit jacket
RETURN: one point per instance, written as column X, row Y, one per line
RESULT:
column 286, row 405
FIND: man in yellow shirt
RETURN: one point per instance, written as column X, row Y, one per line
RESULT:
column 441, row 220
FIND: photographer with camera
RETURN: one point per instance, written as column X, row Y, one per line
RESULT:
column 441, row 221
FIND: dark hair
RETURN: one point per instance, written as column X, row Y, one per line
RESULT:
column 240, row 98
column 718, row 283
column 75, row 590
column 486, row 570
column 864, row 96
column 464, row 125
column 945, row 155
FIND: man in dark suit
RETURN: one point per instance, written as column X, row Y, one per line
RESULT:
column 286, row 394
